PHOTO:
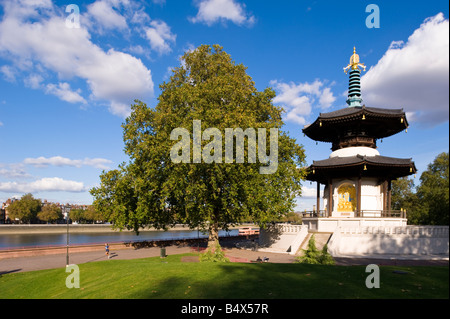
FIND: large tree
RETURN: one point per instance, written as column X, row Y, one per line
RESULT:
column 181, row 168
column 403, row 194
column 25, row 209
column 428, row 204
column 433, row 192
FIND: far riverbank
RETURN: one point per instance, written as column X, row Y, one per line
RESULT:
column 78, row 228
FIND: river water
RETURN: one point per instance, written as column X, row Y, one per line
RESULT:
column 49, row 239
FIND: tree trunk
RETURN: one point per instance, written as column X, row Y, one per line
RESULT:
column 213, row 238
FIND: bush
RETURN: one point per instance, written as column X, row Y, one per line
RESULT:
column 325, row 258
column 314, row 256
column 214, row 254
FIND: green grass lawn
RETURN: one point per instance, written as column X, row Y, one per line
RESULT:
column 170, row 278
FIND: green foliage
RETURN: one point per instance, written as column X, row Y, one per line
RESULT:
column 292, row 218
column 429, row 204
column 312, row 255
column 214, row 254
column 433, row 192
column 25, row 209
column 402, row 194
column 50, row 213
column 83, row 216
column 153, row 190
column 325, row 258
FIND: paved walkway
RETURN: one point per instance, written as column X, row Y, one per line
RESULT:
column 30, row 263
column 20, row 264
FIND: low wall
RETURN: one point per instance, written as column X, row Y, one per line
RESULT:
column 73, row 228
column 28, row 252
column 284, row 238
column 403, row 240
column 226, row 241
column 330, row 224
column 53, row 228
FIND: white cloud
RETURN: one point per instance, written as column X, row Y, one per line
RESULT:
column 63, row 91
column 8, row 73
column 13, row 171
column 309, row 192
column 326, row 98
column 139, row 17
column 160, row 36
column 46, row 184
column 33, row 81
column 63, row 161
column 212, row 11
column 414, row 75
column 103, row 15
column 299, row 99
column 34, row 38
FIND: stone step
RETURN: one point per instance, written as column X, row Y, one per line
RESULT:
column 320, row 238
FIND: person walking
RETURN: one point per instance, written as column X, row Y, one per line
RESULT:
column 107, row 249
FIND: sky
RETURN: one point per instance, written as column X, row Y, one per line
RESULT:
column 69, row 71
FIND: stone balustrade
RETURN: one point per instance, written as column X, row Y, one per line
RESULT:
column 433, row 231
column 399, row 240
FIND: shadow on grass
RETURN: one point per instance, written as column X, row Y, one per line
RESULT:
column 296, row 281
column 9, row 271
column 262, row 281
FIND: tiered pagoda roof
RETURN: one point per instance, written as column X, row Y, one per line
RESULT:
column 366, row 166
column 357, row 126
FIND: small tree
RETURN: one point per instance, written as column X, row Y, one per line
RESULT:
column 50, row 213
column 77, row 215
column 92, row 215
column 325, row 258
column 214, row 254
column 292, row 218
column 310, row 255
column 313, row 256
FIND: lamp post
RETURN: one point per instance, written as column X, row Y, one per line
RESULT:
column 67, row 210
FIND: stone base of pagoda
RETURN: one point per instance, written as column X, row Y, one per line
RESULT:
column 329, row 224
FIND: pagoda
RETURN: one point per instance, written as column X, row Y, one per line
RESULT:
column 357, row 178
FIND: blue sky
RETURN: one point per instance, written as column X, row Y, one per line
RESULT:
column 64, row 92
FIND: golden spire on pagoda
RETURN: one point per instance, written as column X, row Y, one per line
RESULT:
column 354, row 62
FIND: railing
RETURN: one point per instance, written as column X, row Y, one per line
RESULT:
column 315, row 213
column 382, row 213
column 288, row 228
column 248, row 231
column 427, row 231
column 363, row 213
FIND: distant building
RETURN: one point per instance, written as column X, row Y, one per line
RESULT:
column 65, row 208
column 4, row 214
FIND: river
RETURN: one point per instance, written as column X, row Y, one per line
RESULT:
column 57, row 239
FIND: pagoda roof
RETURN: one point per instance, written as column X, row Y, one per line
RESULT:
column 375, row 122
column 357, row 109
column 360, row 165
